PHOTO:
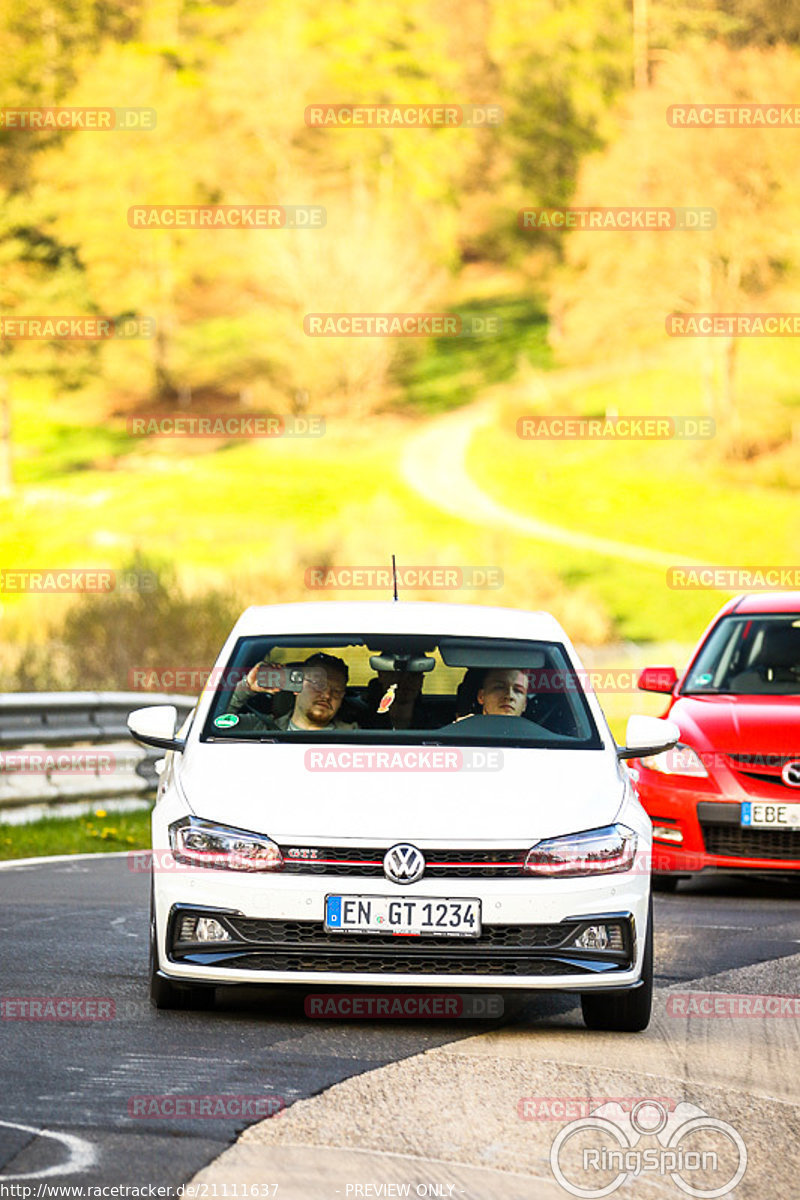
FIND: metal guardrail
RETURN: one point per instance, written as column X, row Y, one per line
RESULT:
column 52, row 723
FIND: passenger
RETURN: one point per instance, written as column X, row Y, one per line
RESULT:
column 392, row 701
column 315, row 705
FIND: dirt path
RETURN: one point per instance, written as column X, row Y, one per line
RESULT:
column 434, row 466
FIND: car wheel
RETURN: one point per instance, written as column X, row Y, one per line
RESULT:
column 666, row 883
column 164, row 994
column 624, row 1012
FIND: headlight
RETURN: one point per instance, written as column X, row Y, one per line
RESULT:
column 595, row 852
column 680, row 760
column 204, row 844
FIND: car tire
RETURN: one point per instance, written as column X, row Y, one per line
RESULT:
column 165, row 995
column 666, row 883
column 629, row 1011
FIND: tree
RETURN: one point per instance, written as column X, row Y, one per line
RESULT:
column 618, row 288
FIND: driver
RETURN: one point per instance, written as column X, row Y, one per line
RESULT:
column 316, row 704
column 503, row 693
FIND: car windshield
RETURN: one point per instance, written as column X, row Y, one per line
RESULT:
column 406, row 689
column 751, row 656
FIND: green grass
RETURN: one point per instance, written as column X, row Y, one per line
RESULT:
column 256, row 514
column 439, row 374
column 90, row 834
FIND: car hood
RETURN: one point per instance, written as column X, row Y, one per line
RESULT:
column 535, row 794
column 740, row 724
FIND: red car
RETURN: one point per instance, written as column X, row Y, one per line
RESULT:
column 727, row 797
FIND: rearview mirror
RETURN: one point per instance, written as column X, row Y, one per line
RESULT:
column 648, row 735
column 396, row 662
column 155, row 726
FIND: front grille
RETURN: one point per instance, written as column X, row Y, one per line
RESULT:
column 733, row 841
column 312, row 933
column 441, row 864
column 765, row 768
column 380, row 962
column 515, row 950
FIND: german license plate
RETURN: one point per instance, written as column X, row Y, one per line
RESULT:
column 409, row 917
column 761, row 815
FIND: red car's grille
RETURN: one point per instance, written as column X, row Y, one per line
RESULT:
column 766, row 768
column 734, row 841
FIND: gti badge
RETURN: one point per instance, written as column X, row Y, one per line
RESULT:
column 403, row 863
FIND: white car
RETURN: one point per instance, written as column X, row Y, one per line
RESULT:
column 404, row 795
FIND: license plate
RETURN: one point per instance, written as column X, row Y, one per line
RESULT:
column 403, row 918
column 760, row 815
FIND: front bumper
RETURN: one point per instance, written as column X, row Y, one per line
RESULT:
column 276, row 923
column 713, row 837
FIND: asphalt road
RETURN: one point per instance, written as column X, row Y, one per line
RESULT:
column 79, row 929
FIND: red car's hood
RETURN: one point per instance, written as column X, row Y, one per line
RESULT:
column 740, row 724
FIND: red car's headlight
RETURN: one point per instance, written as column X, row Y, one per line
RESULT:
column 680, row 760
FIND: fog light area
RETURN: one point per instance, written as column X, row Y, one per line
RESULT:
column 599, row 937
column 202, row 929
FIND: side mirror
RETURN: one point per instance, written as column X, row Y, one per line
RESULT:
column 648, row 735
column 155, row 726
column 658, row 679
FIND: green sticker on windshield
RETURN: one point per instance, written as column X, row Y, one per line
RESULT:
column 226, row 720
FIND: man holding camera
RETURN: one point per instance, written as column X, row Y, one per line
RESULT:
column 324, row 683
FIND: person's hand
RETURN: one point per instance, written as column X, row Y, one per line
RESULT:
column 268, row 670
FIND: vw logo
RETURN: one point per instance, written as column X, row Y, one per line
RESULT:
column 403, row 863
column 791, row 774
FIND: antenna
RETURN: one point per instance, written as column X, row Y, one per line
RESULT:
column 394, row 576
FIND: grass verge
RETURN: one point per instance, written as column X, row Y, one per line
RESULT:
column 94, row 833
